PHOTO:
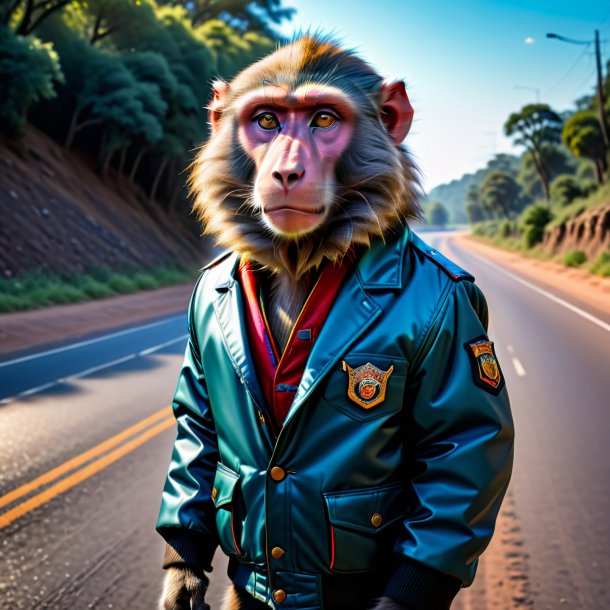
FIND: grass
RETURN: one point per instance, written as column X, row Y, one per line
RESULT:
column 574, row 258
column 601, row 266
column 35, row 290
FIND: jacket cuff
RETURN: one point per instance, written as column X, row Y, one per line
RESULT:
column 418, row 587
column 189, row 547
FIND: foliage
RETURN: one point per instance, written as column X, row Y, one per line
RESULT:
column 534, row 127
column 36, row 290
column 243, row 15
column 557, row 160
column 574, row 258
column 564, row 189
column 436, row 214
column 474, row 208
column 601, row 266
column 499, row 193
column 532, row 222
column 599, row 198
column 582, row 134
column 28, row 70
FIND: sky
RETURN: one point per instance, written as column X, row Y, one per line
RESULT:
column 468, row 64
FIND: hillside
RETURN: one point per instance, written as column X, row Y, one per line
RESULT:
column 60, row 217
column 452, row 194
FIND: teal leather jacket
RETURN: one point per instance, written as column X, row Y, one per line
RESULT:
column 343, row 489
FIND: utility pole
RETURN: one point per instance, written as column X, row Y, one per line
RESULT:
column 600, row 93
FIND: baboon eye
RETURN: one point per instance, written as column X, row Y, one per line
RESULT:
column 324, row 120
column 267, row 121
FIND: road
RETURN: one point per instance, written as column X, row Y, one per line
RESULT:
column 87, row 435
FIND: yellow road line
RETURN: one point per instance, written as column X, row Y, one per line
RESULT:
column 78, row 460
column 84, row 473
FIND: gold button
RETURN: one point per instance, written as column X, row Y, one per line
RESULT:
column 278, row 474
column 376, row 519
column 214, row 493
column 279, row 595
column 277, row 552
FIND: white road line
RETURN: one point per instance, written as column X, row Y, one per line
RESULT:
column 89, row 371
column 518, row 367
column 581, row 312
column 151, row 350
column 65, row 348
column 94, row 369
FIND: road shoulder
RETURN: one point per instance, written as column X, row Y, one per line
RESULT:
column 25, row 331
column 572, row 284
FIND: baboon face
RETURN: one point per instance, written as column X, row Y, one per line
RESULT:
column 304, row 159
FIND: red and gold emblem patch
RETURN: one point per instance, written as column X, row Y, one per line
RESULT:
column 367, row 384
column 487, row 368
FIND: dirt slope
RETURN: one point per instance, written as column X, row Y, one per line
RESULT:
column 57, row 214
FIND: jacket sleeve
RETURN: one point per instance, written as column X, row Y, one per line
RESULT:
column 461, row 440
column 187, row 515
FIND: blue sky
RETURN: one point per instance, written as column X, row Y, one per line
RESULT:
column 462, row 61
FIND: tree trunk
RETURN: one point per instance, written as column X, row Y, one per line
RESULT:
column 599, row 171
column 122, row 157
column 155, row 185
column 25, row 20
column 136, row 163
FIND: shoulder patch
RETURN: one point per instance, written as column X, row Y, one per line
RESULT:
column 485, row 366
column 454, row 271
column 217, row 260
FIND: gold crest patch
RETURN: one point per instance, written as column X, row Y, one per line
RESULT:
column 367, row 384
column 487, row 368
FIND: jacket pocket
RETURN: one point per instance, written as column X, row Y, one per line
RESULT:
column 363, row 526
column 347, row 391
column 223, row 493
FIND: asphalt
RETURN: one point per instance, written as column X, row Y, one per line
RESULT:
column 94, row 545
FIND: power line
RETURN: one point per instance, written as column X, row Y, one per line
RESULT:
column 570, row 69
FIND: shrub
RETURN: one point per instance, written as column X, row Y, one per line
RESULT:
column 564, row 189
column 93, row 288
column 532, row 221
column 145, row 281
column 121, row 284
column 601, row 266
column 574, row 258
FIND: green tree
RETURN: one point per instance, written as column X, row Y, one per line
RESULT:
column 474, row 208
column 558, row 161
column 244, row 15
column 564, row 189
column 29, row 14
column 533, row 127
column 437, row 214
column 500, row 193
column 582, row 134
column 29, row 70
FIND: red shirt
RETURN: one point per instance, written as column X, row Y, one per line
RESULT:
column 280, row 374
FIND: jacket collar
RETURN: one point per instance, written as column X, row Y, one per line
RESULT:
column 379, row 269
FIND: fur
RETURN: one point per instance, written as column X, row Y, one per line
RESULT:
column 377, row 184
column 183, row 589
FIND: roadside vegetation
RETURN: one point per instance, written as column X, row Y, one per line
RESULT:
column 126, row 85
column 35, row 290
column 560, row 180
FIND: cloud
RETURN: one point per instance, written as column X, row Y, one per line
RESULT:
column 529, row 40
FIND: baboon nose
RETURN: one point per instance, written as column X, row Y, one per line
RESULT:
column 289, row 177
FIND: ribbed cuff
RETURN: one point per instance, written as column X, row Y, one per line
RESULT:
column 189, row 547
column 418, row 587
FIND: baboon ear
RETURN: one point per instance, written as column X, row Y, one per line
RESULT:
column 219, row 88
column 396, row 110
